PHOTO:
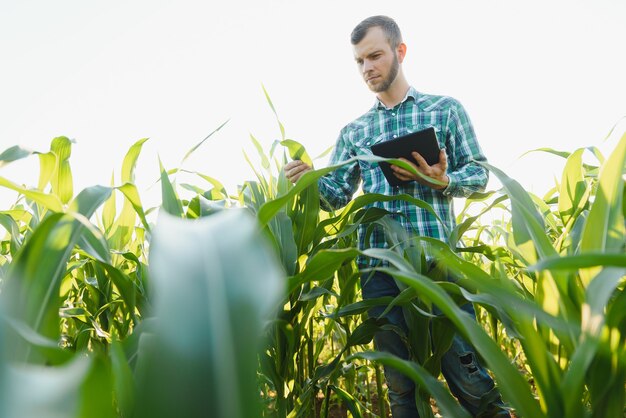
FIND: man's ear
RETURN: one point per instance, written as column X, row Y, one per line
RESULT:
column 401, row 52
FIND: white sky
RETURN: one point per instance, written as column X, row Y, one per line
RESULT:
column 530, row 73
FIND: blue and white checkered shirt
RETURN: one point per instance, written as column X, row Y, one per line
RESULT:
column 416, row 112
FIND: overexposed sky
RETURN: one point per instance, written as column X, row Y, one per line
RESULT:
column 531, row 74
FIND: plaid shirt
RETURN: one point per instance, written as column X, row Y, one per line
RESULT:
column 416, row 112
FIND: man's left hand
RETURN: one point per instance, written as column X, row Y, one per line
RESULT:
column 436, row 171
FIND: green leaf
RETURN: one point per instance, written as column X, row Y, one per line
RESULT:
column 48, row 348
column 13, row 229
column 572, row 193
column 580, row 261
column 562, row 154
column 90, row 199
column 297, row 151
column 361, row 306
column 528, row 223
column 281, row 229
column 123, row 382
column 530, row 237
column 350, row 401
column 215, row 285
column 593, row 320
column 31, row 291
column 604, row 230
column 32, row 286
column 270, row 208
column 511, row 383
column 96, row 400
column 124, row 284
column 462, row 227
column 269, row 101
column 62, row 181
column 47, row 164
column 171, row 203
column 265, row 162
column 110, row 209
column 195, row 147
column 132, row 195
column 49, row 201
column 13, row 153
column 322, row 266
column 47, row 392
column 448, row 405
column 217, row 185
column 305, row 217
column 130, row 161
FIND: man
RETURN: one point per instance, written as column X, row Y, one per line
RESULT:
column 399, row 109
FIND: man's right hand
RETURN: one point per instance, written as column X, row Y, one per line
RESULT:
column 295, row 169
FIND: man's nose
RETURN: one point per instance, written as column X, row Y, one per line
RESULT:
column 367, row 66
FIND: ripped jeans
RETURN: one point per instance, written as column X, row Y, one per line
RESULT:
column 467, row 379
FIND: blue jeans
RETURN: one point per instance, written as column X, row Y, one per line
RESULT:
column 466, row 378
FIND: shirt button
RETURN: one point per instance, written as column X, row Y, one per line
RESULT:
column 395, row 136
column 393, row 114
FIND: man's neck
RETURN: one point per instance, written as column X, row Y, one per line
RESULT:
column 395, row 93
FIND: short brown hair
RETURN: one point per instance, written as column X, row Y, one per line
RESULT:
column 387, row 24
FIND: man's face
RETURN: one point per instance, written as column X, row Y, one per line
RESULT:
column 377, row 62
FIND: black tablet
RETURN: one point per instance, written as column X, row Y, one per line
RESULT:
column 424, row 142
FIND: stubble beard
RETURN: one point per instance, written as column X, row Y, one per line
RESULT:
column 388, row 81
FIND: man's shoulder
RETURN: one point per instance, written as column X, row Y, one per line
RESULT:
column 432, row 102
column 362, row 122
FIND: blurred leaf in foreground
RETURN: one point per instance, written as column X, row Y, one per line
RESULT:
column 215, row 284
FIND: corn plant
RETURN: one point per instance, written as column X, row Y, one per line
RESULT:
column 91, row 298
column 216, row 276
column 565, row 255
column 63, row 295
column 318, row 251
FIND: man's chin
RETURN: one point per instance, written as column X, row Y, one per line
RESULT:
column 375, row 87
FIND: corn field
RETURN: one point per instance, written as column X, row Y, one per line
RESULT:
column 216, row 304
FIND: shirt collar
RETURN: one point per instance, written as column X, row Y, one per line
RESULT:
column 410, row 94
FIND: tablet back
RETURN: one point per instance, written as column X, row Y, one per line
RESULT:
column 424, row 142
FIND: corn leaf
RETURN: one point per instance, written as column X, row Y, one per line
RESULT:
column 305, row 217
column 195, row 147
column 170, row 201
column 13, row 229
column 511, row 383
column 132, row 196
column 130, row 161
column 48, row 348
column 32, row 287
column 270, row 208
column 322, row 266
column 580, row 261
column 269, row 101
column 265, row 162
column 46, row 392
column 62, row 182
column 351, row 403
column 13, row 153
column 110, row 209
column 49, row 201
column 448, row 405
column 597, row 296
column 281, row 231
column 604, row 230
column 123, row 382
column 216, row 275
column 47, row 164
column 297, row 151
column 572, row 193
